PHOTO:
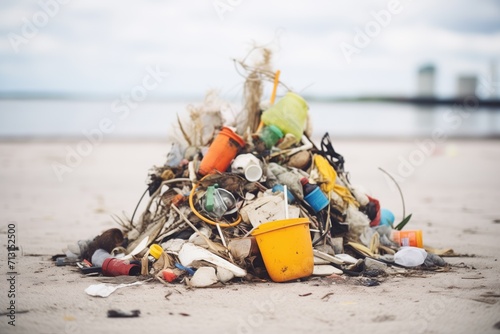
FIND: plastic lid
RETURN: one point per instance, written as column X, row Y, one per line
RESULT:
column 274, row 129
column 304, row 181
column 155, row 251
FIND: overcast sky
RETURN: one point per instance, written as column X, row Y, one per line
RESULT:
column 104, row 47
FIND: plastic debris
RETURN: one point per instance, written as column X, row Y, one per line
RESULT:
column 410, row 256
column 224, row 275
column 326, row 270
column 434, row 260
column 123, row 314
column 203, row 277
column 99, row 256
column 372, row 264
column 190, row 253
column 244, row 195
column 105, row 290
column 117, row 267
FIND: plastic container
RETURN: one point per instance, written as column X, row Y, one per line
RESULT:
column 280, row 188
column 116, row 267
column 214, row 203
column 248, row 165
column 222, row 151
column 313, row 195
column 386, row 217
column 169, row 275
column 408, row 238
column 286, row 248
column 289, row 115
column 270, row 135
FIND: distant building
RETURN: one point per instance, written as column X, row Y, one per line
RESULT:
column 466, row 85
column 426, row 81
column 493, row 80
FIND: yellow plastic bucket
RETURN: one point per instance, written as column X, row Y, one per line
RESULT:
column 286, row 248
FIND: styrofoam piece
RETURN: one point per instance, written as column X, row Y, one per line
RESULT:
column 326, row 270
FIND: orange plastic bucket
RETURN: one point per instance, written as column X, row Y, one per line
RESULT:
column 222, row 151
column 286, row 248
column 408, row 238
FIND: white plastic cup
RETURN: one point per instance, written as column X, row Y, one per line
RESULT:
column 253, row 173
column 248, row 165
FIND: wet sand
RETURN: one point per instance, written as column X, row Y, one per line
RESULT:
column 452, row 192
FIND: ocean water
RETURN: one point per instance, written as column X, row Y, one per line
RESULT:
column 72, row 118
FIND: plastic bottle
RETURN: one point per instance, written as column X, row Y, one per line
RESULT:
column 313, row 195
column 270, row 135
column 408, row 238
column 307, row 187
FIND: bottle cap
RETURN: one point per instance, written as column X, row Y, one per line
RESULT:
column 276, row 131
column 317, row 200
column 155, row 251
column 304, row 181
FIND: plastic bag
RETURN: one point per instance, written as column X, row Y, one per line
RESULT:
column 410, row 256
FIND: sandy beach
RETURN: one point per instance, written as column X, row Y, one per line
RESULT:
column 452, row 192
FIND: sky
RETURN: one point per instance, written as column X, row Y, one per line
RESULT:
column 325, row 48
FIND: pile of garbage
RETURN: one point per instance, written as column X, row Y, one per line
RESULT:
column 253, row 199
